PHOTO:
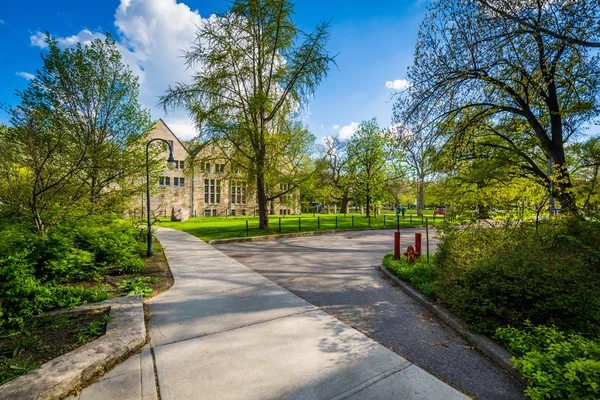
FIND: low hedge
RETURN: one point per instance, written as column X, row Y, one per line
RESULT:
column 536, row 288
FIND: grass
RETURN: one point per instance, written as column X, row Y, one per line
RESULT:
column 211, row 228
column 420, row 275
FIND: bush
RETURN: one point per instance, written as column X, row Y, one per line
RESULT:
column 420, row 274
column 554, row 364
column 61, row 261
column 496, row 277
column 35, row 271
column 115, row 247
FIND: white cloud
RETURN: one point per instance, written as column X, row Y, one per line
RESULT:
column 348, row 130
column 398, row 84
column 25, row 75
column 152, row 35
column 335, row 127
column 85, row 36
column 38, row 40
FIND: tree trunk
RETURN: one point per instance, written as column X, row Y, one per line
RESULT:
column 345, row 201
column 263, row 215
column 368, row 206
column 272, row 207
column 562, row 188
column 421, row 196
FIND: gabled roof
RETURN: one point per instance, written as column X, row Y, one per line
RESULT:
column 160, row 120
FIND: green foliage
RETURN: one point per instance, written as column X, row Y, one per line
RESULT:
column 372, row 161
column 36, row 272
column 138, row 285
column 503, row 276
column 420, row 275
column 10, row 369
column 257, row 123
column 76, row 138
column 93, row 330
column 114, row 247
column 556, row 365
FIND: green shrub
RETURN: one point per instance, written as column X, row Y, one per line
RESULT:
column 420, row 275
column 23, row 295
column 497, row 277
column 61, row 261
column 554, row 364
column 115, row 247
column 35, row 271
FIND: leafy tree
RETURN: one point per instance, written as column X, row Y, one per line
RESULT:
column 586, row 173
column 372, row 162
column 256, row 69
column 418, row 142
column 477, row 79
column 575, row 22
column 75, row 139
column 334, row 171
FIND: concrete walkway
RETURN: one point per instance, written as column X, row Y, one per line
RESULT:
column 225, row 332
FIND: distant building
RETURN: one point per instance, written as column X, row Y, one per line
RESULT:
column 211, row 189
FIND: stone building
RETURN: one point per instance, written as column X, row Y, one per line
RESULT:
column 210, row 190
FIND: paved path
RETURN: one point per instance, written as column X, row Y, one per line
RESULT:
column 225, row 332
column 337, row 274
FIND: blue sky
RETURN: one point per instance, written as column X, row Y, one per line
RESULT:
column 374, row 42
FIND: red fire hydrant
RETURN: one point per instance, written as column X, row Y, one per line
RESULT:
column 410, row 254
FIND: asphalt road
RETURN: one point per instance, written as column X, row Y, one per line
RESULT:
column 338, row 273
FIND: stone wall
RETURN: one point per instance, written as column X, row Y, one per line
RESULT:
column 192, row 195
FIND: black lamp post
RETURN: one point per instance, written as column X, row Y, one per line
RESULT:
column 171, row 165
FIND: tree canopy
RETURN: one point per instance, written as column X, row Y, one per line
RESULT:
column 489, row 82
column 74, row 139
column 255, row 70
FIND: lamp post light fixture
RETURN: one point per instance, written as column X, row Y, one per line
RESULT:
column 171, row 165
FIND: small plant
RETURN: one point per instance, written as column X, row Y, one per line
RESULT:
column 92, row 331
column 10, row 369
column 556, row 365
column 138, row 285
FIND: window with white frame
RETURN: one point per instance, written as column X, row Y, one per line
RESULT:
column 207, row 168
column 286, row 198
column 212, row 191
column 238, row 192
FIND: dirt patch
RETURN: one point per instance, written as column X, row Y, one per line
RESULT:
column 43, row 338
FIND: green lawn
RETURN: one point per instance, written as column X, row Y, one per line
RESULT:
column 211, row 228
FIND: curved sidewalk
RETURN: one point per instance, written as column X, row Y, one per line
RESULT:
column 225, row 332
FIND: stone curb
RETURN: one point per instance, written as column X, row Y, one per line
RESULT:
column 304, row 234
column 487, row 346
column 125, row 333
